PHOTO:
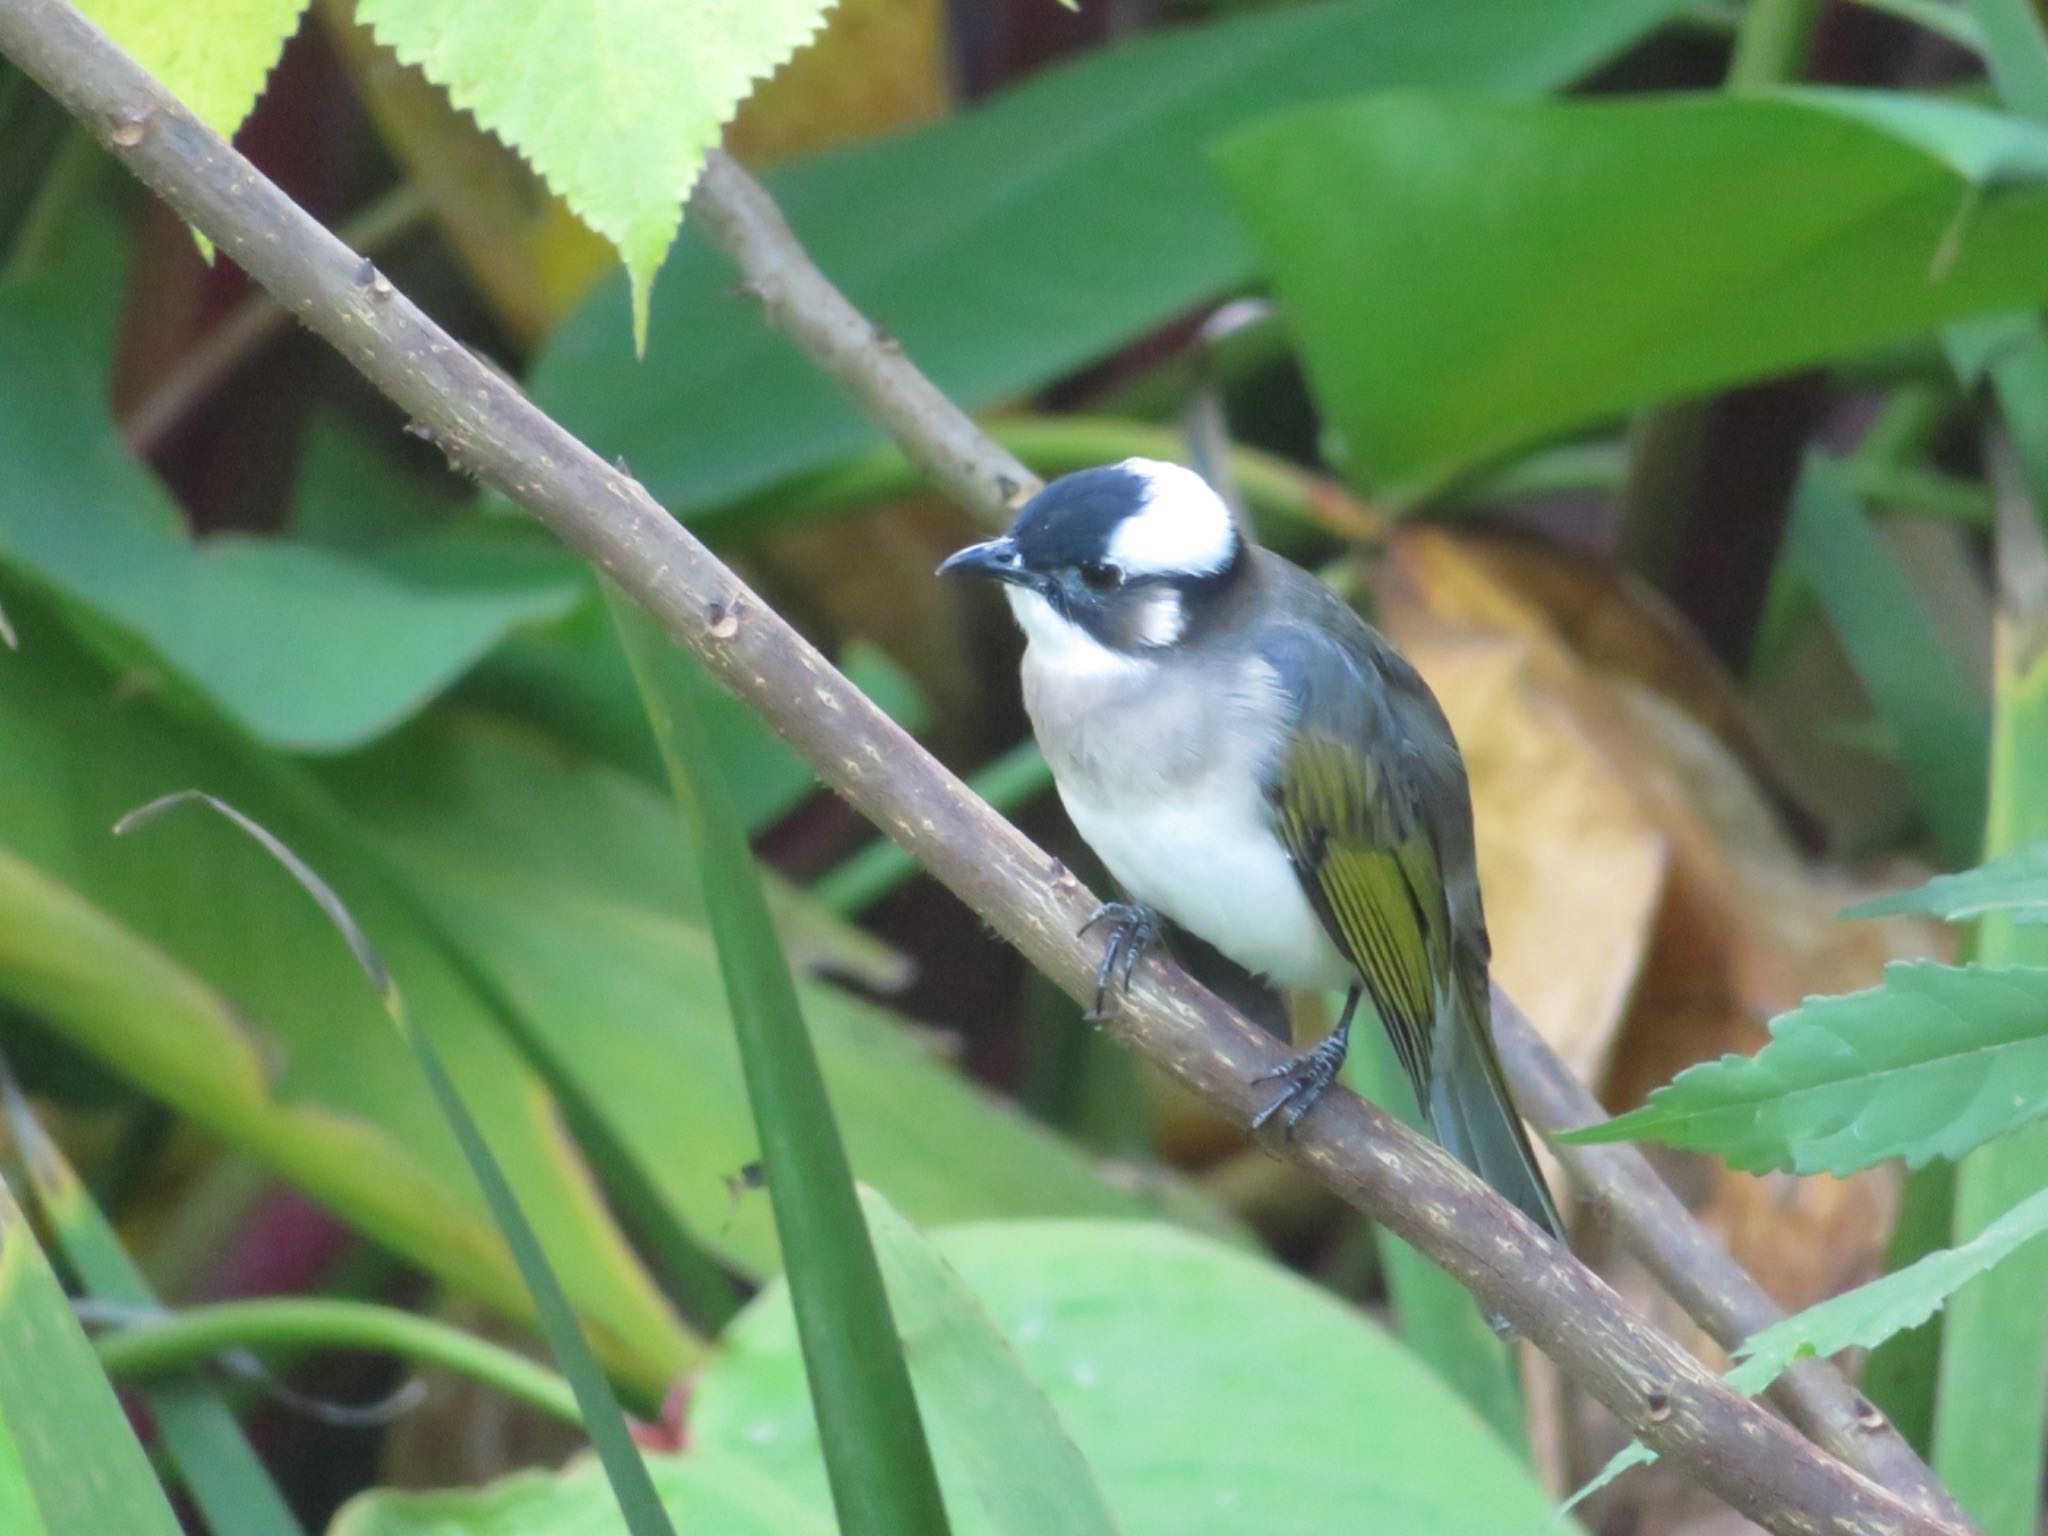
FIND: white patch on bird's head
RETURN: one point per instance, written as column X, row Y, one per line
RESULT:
column 1160, row 618
column 1057, row 644
column 1183, row 528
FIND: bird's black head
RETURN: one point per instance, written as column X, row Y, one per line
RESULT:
column 1132, row 555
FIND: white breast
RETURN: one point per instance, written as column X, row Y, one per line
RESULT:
column 1204, row 855
column 1162, row 780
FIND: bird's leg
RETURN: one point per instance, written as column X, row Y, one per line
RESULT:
column 1308, row 1074
column 1133, row 929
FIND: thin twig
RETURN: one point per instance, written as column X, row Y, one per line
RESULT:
column 857, row 354
column 1755, row 1461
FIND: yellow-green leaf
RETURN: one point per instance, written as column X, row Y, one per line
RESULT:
column 613, row 102
column 215, row 55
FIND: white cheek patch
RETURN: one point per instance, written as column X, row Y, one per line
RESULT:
column 1184, row 528
column 1160, row 618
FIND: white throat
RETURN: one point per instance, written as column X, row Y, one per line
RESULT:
column 1059, row 646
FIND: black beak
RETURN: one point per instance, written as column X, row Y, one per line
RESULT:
column 998, row 558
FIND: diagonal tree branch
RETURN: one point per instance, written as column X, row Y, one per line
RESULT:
column 1753, row 1460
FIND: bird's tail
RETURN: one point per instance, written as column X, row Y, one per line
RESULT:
column 1472, row 1112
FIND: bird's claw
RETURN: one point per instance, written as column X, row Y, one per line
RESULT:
column 1307, row 1076
column 1133, row 929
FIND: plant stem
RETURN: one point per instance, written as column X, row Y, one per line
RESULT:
column 1666, row 441
column 184, row 1339
column 1772, row 43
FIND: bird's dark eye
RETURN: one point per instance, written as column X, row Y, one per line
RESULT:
column 1100, row 575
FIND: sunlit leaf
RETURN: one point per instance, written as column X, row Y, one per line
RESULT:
column 614, row 102
column 214, row 55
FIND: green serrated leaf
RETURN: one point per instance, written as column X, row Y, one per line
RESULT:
column 1863, row 1318
column 215, row 55
column 613, row 102
column 1934, row 1062
column 1870, row 1314
column 2016, row 885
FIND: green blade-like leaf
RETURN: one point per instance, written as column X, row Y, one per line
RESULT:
column 227, row 1481
column 602, row 1417
column 603, row 1420
column 1932, row 1063
column 214, row 55
column 68, row 1460
column 1537, row 267
column 2015, row 885
column 1940, row 718
column 652, row 84
column 1013, row 1460
column 883, row 1483
column 1084, row 187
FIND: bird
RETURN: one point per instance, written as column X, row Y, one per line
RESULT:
column 1255, row 763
